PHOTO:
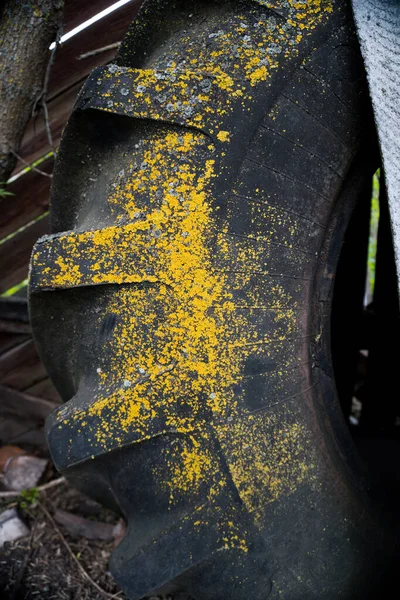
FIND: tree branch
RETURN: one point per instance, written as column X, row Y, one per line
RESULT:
column 76, row 561
column 26, row 32
column 41, row 488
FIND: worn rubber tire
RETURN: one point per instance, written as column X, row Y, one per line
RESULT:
column 201, row 194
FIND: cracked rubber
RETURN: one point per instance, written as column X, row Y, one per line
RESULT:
column 201, row 194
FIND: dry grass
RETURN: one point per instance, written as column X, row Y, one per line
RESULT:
column 41, row 567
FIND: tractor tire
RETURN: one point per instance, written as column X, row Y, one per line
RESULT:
column 182, row 304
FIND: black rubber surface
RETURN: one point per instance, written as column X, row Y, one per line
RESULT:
column 239, row 482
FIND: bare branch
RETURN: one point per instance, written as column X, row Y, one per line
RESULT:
column 26, row 32
column 31, row 166
column 76, row 561
column 42, row 98
column 41, row 488
column 99, row 50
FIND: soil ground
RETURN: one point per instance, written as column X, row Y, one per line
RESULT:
column 40, row 567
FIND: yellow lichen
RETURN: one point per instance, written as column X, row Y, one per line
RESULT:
column 223, row 136
column 182, row 338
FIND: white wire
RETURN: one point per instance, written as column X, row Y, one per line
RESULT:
column 89, row 22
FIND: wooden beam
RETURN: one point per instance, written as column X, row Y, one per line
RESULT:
column 35, row 142
column 24, row 405
column 21, row 367
column 67, row 69
column 9, row 326
column 15, row 253
column 30, row 199
column 10, row 340
column 14, row 309
column 44, row 389
column 68, row 75
column 22, row 417
column 78, row 11
column 14, row 315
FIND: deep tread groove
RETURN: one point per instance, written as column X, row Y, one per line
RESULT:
column 284, row 175
column 303, row 147
column 310, row 114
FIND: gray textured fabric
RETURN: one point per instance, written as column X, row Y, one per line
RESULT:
column 378, row 25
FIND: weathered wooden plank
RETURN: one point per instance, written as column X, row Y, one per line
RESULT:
column 14, row 315
column 44, row 389
column 13, row 326
column 10, row 340
column 24, row 405
column 68, row 76
column 22, row 417
column 30, row 199
column 67, row 69
column 35, row 141
column 21, row 367
column 15, row 253
column 78, row 11
column 14, row 309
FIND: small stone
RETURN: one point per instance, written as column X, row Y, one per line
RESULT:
column 7, row 453
column 23, row 472
column 141, row 89
column 124, row 91
column 80, row 527
column 127, row 383
column 11, row 527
